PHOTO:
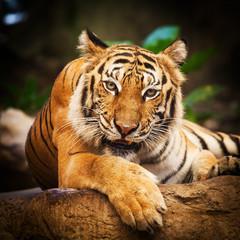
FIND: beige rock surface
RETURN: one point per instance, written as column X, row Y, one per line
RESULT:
column 202, row 210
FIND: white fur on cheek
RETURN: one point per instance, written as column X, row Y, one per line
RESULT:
column 74, row 106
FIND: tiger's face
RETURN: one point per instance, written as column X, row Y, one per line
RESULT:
column 130, row 97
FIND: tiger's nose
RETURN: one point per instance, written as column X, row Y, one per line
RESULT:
column 125, row 130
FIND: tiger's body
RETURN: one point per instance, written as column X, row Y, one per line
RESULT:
column 114, row 123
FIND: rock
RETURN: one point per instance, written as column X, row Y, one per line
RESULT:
column 14, row 171
column 14, row 127
column 201, row 210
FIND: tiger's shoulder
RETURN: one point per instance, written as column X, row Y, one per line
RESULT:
column 67, row 81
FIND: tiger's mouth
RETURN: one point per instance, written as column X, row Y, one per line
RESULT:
column 123, row 144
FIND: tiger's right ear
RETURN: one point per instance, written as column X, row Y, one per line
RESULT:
column 90, row 43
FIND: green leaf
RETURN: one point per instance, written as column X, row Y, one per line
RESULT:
column 205, row 93
column 204, row 115
column 161, row 38
column 119, row 42
column 197, row 60
column 190, row 114
column 42, row 97
column 30, row 88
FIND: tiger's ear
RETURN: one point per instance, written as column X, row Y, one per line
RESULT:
column 177, row 51
column 90, row 43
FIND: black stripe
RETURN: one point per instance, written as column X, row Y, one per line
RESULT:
column 83, row 100
column 44, row 140
column 100, row 70
column 35, row 131
column 150, row 74
column 173, row 107
column 84, row 95
column 168, row 96
column 72, row 82
column 105, row 119
column 38, row 173
column 35, row 173
column 164, row 79
column 121, row 60
column 78, row 80
column 237, row 142
column 165, row 147
column 167, row 150
column 160, row 115
column 126, row 48
column 77, row 153
column 222, row 145
column 201, row 140
column 34, row 151
column 46, row 123
column 189, row 177
column 50, row 114
column 107, row 128
column 123, row 54
column 179, row 168
column 139, row 63
column 147, row 57
column 113, row 70
column 92, row 83
column 65, row 73
column 149, row 66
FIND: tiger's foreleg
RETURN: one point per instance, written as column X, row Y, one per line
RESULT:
column 129, row 187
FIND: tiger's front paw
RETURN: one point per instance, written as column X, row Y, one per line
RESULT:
column 227, row 165
column 139, row 202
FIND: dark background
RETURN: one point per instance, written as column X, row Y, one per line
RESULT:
column 41, row 43
column 45, row 40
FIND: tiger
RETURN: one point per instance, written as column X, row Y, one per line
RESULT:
column 114, row 122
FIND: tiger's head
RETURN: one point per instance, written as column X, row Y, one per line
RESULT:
column 128, row 98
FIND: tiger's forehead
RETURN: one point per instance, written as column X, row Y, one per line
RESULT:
column 124, row 60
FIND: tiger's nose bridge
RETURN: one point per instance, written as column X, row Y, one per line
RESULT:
column 127, row 113
column 127, row 118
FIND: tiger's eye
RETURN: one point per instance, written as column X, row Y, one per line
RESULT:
column 150, row 93
column 111, row 86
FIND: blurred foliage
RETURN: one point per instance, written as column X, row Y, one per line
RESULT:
column 118, row 42
column 161, row 38
column 30, row 100
column 205, row 94
column 27, row 98
column 197, row 60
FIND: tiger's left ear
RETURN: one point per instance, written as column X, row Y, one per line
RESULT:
column 177, row 51
column 90, row 43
